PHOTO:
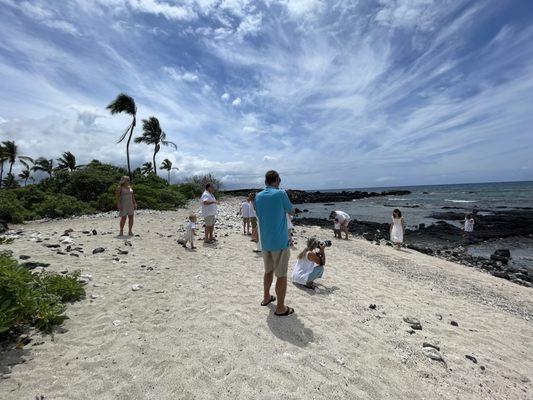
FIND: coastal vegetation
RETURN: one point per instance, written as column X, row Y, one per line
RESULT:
column 35, row 299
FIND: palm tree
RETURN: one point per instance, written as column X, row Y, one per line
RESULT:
column 42, row 164
column 26, row 174
column 147, row 168
column 167, row 165
column 153, row 134
column 3, row 159
column 125, row 104
column 67, row 162
column 11, row 151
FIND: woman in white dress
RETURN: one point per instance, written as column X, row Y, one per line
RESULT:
column 397, row 228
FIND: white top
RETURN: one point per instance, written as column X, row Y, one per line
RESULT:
column 302, row 269
column 245, row 209
column 342, row 216
column 469, row 225
column 252, row 211
column 188, row 230
column 211, row 209
column 289, row 222
column 337, row 225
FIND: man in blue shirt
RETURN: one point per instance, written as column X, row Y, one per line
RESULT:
column 272, row 206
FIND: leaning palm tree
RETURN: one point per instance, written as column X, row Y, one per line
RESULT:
column 153, row 134
column 11, row 150
column 42, row 164
column 67, row 162
column 3, row 159
column 125, row 104
column 25, row 174
column 147, row 168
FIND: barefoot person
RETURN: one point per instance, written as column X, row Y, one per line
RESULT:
column 343, row 219
column 126, row 204
column 310, row 264
column 209, row 212
column 272, row 205
column 397, row 228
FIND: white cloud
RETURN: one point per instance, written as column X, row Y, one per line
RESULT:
column 180, row 75
column 225, row 97
column 236, row 102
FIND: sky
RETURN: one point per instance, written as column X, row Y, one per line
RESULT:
column 332, row 94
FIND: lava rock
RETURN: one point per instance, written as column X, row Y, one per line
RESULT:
column 426, row 344
column 94, row 232
column 472, row 358
column 454, row 323
column 98, row 250
column 24, row 257
column 34, row 264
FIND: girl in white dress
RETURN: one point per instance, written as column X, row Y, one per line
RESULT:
column 190, row 231
column 397, row 228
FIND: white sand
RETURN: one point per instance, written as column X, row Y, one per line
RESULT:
column 196, row 329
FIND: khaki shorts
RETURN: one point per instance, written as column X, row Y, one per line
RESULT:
column 253, row 220
column 209, row 220
column 277, row 261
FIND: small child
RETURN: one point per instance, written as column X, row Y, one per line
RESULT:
column 245, row 213
column 290, row 227
column 190, row 231
column 337, row 228
column 468, row 227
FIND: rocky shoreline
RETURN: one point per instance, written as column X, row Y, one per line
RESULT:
column 302, row 196
column 444, row 240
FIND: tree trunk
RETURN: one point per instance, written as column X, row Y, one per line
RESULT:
column 26, row 182
column 169, row 177
column 1, row 173
column 155, row 167
column 128, row 147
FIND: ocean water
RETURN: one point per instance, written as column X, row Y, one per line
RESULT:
column 429, row 199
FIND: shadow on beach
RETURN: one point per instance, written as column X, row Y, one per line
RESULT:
column 322, row 289
column 11, row 357
column 289, row 329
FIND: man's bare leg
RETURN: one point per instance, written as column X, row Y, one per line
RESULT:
column 281, row 290
column 267, row 283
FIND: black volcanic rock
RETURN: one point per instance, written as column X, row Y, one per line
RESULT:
column 3, row 226
column 302, row 196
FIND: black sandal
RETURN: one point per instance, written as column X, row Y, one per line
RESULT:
column 272, row 298
column 288, row 312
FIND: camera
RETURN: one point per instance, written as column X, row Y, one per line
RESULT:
column 325, row 243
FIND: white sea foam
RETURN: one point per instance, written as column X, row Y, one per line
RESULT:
column 461, row 201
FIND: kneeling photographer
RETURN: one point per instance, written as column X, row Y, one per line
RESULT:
column 310, row 263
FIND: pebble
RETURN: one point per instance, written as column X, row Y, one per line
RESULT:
column 136, row 287
column 98, row 250
column 454, row 323
column 472, row 358
column 432, row 353
column 426, row 344
column 372, row 306
column 23, row 257
column 94, row 232
column 117, row 322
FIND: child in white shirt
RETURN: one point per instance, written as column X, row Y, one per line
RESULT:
column 337, row 228
column 190, row 231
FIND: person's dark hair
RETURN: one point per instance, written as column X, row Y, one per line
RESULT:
column 397, row 212
column 468, row 216
column 208, row 185
column 332, row 215
column 271, row 177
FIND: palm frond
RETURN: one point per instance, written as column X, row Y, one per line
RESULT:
column 125, row 133
column 123, row 103
column 169, row 143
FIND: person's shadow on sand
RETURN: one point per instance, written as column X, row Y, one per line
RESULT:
column 289, row 329
column 323, row 290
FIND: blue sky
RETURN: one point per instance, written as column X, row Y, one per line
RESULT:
column 330, row 93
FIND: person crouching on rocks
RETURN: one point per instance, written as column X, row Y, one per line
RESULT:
column 310, row 264
column 343, row 219
column 397, row 228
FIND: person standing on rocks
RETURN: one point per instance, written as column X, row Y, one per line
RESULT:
column 343, row 219
column 272, row 206
column 209, row 212
column 126, row 204
column 468, row 227
column 397, row 228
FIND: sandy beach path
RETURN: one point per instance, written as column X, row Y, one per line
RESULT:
column 195, row 330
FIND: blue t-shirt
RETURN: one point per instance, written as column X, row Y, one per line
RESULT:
column 272, row 206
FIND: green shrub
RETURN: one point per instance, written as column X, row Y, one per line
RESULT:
column 61, row 206
column 28, row 298
column 189, row 190
column 11, row 209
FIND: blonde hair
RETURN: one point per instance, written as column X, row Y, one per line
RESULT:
column 123, row 180
column 312, row 243
column 192, row 217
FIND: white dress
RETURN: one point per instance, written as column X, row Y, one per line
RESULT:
column 396, row 235
column 189, row 236
column 302, row 269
